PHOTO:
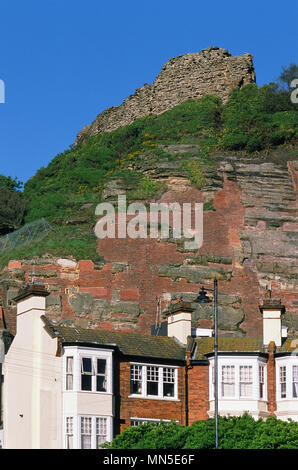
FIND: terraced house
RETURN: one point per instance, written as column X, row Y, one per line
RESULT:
column 69, row 387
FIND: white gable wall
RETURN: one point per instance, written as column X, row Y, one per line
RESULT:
column 32, row 383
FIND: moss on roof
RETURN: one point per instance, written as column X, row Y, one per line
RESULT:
column 130, row 344
column 205, row 346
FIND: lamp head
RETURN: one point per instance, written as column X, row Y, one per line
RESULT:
column 203, row 297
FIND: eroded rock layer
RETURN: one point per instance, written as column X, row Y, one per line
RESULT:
column 250, row 242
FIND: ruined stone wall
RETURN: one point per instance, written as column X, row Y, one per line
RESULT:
column 212, row 71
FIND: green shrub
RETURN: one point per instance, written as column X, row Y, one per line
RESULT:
column 194, row 172
column 233, row 433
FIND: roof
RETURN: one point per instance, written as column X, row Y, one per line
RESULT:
column 205, row 346
column 254, row 344
column 130, row 344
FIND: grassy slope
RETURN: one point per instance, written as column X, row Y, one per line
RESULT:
column 68, row 189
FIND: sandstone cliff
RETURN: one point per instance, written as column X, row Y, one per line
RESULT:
column 250, row 242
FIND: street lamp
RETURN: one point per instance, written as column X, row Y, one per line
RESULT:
column 203, row 298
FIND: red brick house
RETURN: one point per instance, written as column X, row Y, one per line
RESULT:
column 80, row 387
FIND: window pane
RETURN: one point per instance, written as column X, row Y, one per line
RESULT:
column 261, row 381
column 101, row 431
column 69, row 382
column 283, row 384
column 152, row 388
column 69, row 442
column 85, row 433
column 69, row 364
column 101, row 366
column 152, row 380
column 136, row 379
column 87, row 365
column 86, row 442
column 168, row 390
column 69, row 433
column 86, row 382
column 295, row 381
column 245, row 381
column 228, row 390
column 228, row 381
column 101, row 383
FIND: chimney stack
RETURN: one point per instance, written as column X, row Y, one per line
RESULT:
column 179, row 321
column 272, row 310
column 31, row 302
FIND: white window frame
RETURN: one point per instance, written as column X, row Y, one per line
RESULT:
column 255, row 362
column 161, row 369
column 140, row 421
column 262, row 380
column 228, row 371
column 69, row 372
column 78, row 352
column 295, row 380
column 77, row 435
column 245, row 379
column 288, row 362
column 69, row 425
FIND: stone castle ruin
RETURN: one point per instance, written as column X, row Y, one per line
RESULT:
column 212, row 71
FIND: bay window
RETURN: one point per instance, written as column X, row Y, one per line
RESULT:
column 239, row 378
column 87, row 370
column 87, row 432
column 287, row 378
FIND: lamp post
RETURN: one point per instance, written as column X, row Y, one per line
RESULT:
column 203, row 298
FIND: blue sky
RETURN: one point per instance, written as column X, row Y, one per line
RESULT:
column 65, row 61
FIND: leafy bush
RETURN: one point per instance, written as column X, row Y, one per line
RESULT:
column 150, row 436
column 249, row 122
column 194, row 172
column 233, row 433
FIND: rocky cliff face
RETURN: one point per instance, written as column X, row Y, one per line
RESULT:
column 212, row 71
column 250, row 242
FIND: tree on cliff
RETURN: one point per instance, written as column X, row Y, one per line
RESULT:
column 234, row 433
column 12, row 204
column 278, row 94
column 288, row 75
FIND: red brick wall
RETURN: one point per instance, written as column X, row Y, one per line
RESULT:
column 271, row 379
column 198, row 392
column 149, row 408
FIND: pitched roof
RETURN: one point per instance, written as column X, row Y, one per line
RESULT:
column 205, row 346
column 130, row 344
column 252, row 344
